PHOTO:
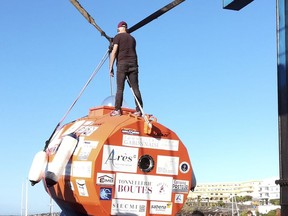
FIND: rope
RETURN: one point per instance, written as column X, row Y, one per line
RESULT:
column 139, row 105
column 85, row 86
column 79, row 95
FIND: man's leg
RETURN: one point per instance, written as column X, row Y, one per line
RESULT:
column 133, row 77
column 120, row 79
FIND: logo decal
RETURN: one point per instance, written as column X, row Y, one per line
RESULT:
column 184, row 167
column 118, row 158
column 130, row 131
column 105, row 179
column 105, row 193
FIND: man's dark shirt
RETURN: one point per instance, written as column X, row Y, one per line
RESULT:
column 126, row 48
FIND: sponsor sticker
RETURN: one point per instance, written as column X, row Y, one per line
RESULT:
column 143, row 187
column 184, row 167
column 128, row 207
column 93, row 144
column 82, row 189
column 180, row 186
column 75, row 126
column 118, row 158
column 86, row 130
column 105, row 179
column 86, row 148
column 167, row 165
column 179, row 198
column 84, row 153
column 162, row 208
column 82, row 127
column 130, row 131
column 150, row 142
column 105, row 193
column 81, row 169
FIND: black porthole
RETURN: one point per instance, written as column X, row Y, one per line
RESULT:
column 146, row 163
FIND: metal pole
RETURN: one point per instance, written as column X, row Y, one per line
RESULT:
column 282, row 74
column 51, row 207
column 26, row 199
column 22, row 197
column 237, row 210
column 232, row 205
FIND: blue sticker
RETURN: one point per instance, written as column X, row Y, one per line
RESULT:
column 105, row 193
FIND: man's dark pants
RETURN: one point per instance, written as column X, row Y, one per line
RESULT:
column 131, row 71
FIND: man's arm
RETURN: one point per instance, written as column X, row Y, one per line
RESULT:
column 112, row 59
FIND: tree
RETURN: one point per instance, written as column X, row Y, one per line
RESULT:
column 221, row 203
column 275, row 201
column 270, row 213
column 242, row 199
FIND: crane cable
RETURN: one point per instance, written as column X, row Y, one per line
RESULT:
column 79, row 95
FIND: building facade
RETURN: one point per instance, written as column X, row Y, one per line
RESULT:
column 263, row 190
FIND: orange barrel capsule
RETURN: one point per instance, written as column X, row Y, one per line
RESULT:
column 121, row 168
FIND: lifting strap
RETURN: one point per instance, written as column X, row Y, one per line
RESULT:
column 139, row 105
column 77, row 98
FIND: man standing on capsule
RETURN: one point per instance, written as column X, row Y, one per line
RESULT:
column 124, row 51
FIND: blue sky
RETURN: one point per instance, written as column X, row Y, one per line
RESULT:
column 208, row 74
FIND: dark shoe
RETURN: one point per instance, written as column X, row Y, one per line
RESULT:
column 115, row 113
column 137, row 113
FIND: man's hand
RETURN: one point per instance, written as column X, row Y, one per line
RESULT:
column 112, row 72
